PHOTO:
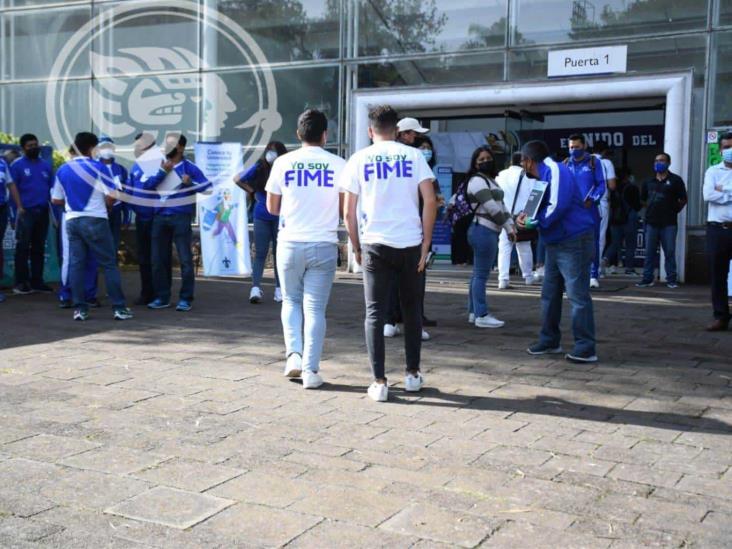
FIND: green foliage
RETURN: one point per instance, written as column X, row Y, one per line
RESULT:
column 58, row 157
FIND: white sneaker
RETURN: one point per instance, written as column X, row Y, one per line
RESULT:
column 311, row 380
column 293, row 368
column 471, row 318
column 412, row 383
column 278, row 295
column 425, row 336
column 488, row 321
column 540, row 272
column 535, row 277
column 594, row 283
column 529, row 280
column 256, row 295
column 503, row 285
column 391, row 330
column 378, row 392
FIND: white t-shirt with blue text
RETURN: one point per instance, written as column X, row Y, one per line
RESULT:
column 386, row 176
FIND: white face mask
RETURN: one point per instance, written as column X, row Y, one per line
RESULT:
column 106, row 154
column 270, row 156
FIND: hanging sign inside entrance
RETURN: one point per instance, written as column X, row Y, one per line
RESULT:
column 583, row 61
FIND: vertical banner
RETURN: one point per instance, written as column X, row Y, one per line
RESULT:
column 222, row 215
column 442, row 233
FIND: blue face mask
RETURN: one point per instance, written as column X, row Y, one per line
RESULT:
column 660, row 167
column 427, row 153
column 727, row 156
column 577, row 154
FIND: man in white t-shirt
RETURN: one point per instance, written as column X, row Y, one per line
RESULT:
column 602, row 151
column 387, row 180
column 303, row 190
column 516, row 187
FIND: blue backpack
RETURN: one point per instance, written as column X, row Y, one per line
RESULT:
column 461, row 211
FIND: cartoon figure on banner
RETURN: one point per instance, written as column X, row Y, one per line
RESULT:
column 220, row 216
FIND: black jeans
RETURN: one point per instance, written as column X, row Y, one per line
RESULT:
column 143, row 234
column 31, row 231
column 380, row 264
column 394, row 313
column 168, row 230
column 719, row 247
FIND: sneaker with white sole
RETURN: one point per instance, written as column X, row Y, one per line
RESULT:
column 541, row 349
column 378, row 392
column 504, row 285
column 528, row 280
column 278, row 295
column 256, row 295
column 311, row 380
column 81, row 314
column 293, row 367
column 391, row 330
column 413, row 383
column 594, row 283
column 123, row 313
column 488, row 321
column 471, row 318
column 580, row 358
column 425, row 335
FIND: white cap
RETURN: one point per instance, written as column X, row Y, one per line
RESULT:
column 407, row 124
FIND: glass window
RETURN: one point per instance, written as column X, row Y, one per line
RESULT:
column 21, row 110
column 290, row 30
column 725, row 12
column 721, row 80
column 32, row 40
column 445, row 70
column 545, row 21
column 411, row 26
column 296, row 89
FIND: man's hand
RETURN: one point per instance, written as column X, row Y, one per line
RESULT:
column 511, row 234
column 167, row 165
column 719, row 188
column 588, row 203
column 186, row 180
column 521, row 220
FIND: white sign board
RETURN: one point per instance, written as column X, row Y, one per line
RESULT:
column 583, row 61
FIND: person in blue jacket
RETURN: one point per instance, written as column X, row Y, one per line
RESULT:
column 568, row 229
column 172, row 224
column 32, row 177
column 119, row 214
column 266, row 225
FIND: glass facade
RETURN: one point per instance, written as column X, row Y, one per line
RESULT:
column 241, row 70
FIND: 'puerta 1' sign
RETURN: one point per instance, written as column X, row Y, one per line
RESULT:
column 583, row 61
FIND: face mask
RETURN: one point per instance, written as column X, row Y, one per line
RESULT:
column 106, row 154
column 486, row 167
column 727, row 156
column 577, row 154
column 660, row 167
column 427, row 153
column 270, row 157
column 33, row 153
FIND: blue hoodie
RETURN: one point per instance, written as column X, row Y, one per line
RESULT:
column 562, row 214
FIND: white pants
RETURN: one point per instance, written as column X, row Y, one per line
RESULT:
column 525, row 256
column 605, row 213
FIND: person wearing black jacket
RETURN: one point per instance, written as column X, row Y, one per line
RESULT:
column 625, row 204
column 664, row 196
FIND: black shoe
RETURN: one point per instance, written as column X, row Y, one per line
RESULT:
column 22, row 289
column 43, row 288
column 65, row 304
column 93, row 303
column 645, row 284
column 428, row 323
column 580, row 359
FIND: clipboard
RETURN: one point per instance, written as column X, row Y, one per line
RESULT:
column 533, row 202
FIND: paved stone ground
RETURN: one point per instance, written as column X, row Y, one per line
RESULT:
column 177, row 430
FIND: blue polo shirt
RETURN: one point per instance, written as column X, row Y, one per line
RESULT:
column 199, row 183
column 33, row 179
column 590, row 179
column 260, row 195
column 119, row 176
column 4, row 178
column 137, row 185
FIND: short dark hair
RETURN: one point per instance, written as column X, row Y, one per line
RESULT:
column 84, row 142
column 516, row 158
column 26, row 137
column 311, row 125
column 182, row 141
column 383, row 118
column 600, row 146
column 668, row 156
column 725, row 136
column 535, row 150
column 578, row 137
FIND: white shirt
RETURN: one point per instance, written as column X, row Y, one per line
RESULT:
column 386, row 176
column 508, row 180
column 720, row 203
column 307, row 179
column 87, row 184
column 608, row 171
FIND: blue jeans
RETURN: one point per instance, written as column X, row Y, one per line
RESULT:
column 91, row 235
column 667, row 236
column 3, row 226
column 31, row 230
column 307, row 270
column 627, row 233
column 166, row 231
column 567, row 268
column 265, row 232
column 90, row 271
column 484, row 242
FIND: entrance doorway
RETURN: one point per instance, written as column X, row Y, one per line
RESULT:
column 638, row 116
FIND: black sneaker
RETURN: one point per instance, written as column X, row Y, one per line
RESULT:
column 22, row 289
column 672, row 285
column 43, row 288
column 580, row 359
column 81, row 314
column 541, row 349
column 122, row 313
column 644, row 284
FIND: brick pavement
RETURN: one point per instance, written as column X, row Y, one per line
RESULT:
column 178, row 430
